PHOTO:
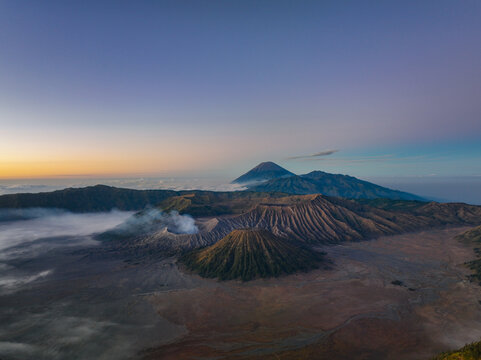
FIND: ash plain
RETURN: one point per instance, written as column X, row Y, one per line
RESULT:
column 397, row 297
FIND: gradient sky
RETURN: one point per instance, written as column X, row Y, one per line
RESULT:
column 119, row 88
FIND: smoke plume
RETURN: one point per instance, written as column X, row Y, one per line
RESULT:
column 154, row 219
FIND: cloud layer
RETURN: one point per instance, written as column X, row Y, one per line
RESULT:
column 41, row 231
column 168, row 183
column 48, row 223
column 47, row 293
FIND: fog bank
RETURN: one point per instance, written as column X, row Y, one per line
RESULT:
column 41, row 231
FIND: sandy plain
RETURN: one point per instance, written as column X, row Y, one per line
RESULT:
column 104, row 308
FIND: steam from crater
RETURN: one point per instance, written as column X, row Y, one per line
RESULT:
column 154, row 219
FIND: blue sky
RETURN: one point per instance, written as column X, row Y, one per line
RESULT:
column 154, row 88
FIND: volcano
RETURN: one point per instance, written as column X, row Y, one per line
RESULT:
column 251, row 253
column 262, row 172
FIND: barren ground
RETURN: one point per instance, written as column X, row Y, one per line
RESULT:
column 349, row 311
column 90, row 308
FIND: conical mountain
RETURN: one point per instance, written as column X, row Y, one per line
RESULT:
column 264, row 171
column 251, row 253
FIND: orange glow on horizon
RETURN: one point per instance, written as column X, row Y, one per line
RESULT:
column 119, row 153
column 44, row 169
column 108, row 166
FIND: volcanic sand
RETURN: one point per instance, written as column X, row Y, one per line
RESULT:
column 351, row 310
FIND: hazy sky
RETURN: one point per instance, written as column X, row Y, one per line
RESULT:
column 106, row 88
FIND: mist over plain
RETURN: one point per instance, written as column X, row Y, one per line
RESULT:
column 43, row 230
column 38, row 247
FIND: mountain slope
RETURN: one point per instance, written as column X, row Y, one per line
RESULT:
column 105, row 198
column 319, row 182
column 318, row 219
column 312, row 219
column 473, row 238
column 468, row 352
column 264, row 171
column 197, row 203
column 90, row 198
column 250, row 253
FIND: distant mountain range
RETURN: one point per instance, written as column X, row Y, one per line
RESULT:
column 264, row 171
column 265, row 180
column 319, row 182
column 198, row 202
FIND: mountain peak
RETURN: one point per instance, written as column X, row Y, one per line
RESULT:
column 264, row 171
column 253, row 253
column 268, row 166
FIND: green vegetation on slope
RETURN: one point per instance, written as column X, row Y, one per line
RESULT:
column 468, row 352
column 319, row 182
column 250, row 253
column 473, row 237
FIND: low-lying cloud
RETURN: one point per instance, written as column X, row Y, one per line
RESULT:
column 55, row 223
column 53, row 317
column 157, row 183
column 28, row 213
column 55, row 333
column 65, row 332
column 10, row 348
column 9, row 283
column 41, row 231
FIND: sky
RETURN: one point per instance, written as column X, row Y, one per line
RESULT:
column 193, row 88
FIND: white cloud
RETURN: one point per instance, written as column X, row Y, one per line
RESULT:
column 54, row 224
column 10, row 283
column 26, row 239
column 14, row 348
column 170, row 183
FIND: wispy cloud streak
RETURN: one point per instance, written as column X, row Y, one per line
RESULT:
column 313, row 156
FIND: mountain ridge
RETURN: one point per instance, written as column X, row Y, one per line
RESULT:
column 312, row 220
column 105, row 198
column 337, row 185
